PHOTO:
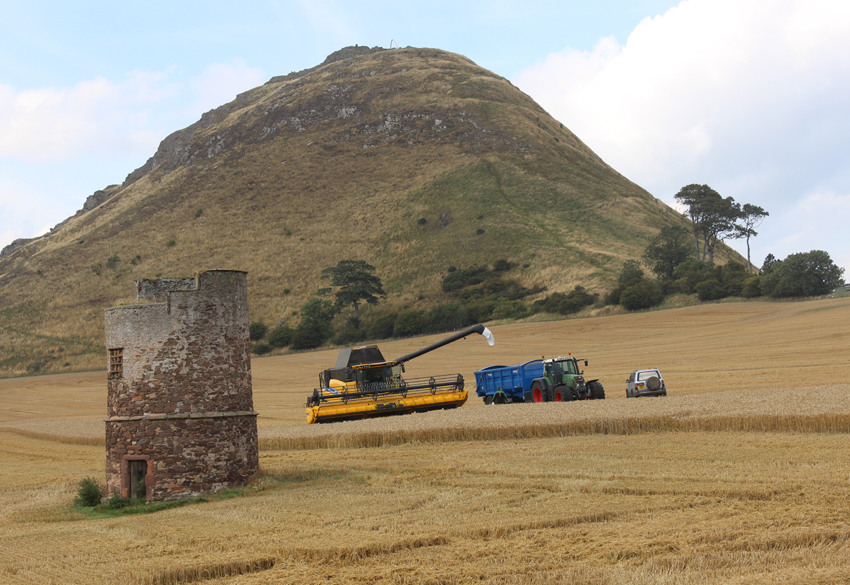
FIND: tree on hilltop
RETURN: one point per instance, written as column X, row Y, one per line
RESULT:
column 713, row 217
column 356, row 284
column 750, row 218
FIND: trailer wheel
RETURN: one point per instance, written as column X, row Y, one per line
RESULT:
column 538, row 392
column 597, row 392
column 488, row 400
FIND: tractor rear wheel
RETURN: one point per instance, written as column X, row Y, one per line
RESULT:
column 538, row 392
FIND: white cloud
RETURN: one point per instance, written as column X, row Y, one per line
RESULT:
column 819, row 221
column 95, row 117
column 328, row 18
column 221, row 82
column 23, row 211
column 93, row 134
column 108, row 119
column 747, row 96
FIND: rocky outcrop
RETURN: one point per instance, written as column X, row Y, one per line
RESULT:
column 180, row 148
column 14, row 246
column 341, row 55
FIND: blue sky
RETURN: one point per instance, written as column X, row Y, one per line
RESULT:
column 747, row 96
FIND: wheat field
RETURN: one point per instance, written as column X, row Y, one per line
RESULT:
column 741, row 475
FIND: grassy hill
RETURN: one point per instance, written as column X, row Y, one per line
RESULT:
column 411, row 159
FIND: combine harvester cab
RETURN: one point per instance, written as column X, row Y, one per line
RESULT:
column 363, row 384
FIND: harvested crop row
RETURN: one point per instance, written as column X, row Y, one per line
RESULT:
column 822, row 409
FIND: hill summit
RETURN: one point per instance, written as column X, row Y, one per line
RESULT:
column 413, row 160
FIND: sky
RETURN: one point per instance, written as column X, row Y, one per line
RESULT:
column 747, row 96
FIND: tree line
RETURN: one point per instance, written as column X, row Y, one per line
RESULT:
column 689, row 268
column 680, row 260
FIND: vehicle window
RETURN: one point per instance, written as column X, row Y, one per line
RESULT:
column 648, row 375
column 570, row 367
column 371, row 375
column 632, row 377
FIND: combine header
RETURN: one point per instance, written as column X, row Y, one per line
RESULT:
column 363, row 384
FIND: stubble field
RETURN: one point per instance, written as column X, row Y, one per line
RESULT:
column 741, row 475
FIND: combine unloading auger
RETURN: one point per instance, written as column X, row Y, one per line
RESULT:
column 363, row 384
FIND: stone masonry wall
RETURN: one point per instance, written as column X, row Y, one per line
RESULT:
column 180, row 394
column 157, row 289
column 221, row 453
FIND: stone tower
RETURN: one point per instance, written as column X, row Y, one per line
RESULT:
column 180, row 410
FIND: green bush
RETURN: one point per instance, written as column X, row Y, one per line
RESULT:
column 448, row 317
column 502, row 265
column 409, row 322
column 630, row 274
column 506, row 309
column 711, row 290
column 350, row 334
column 481, row 311
column 88, row 493
column 317, row 316
column 280, row 336
column 566, row 304
column 383, row 327
column 458, row 279
column 261, row 348
column 751, row 288
column 800, row 275
column 257, row 330
column 733, row 275
column 690, row 273
column 644, row 294
column 307, row 338
column 117, row 501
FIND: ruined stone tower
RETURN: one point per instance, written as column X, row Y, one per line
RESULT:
column 180, row 419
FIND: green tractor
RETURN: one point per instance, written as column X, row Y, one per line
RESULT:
column 562, row 381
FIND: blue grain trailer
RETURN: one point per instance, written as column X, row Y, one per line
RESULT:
column 502, row 384
column 545, row 380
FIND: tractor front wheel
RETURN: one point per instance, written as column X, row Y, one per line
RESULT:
column 597, row 392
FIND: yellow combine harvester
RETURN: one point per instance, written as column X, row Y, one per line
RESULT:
column 363, row 384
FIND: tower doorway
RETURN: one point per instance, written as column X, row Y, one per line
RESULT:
column 138, row 470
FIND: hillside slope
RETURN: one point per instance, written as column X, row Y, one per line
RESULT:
column 411, row 159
